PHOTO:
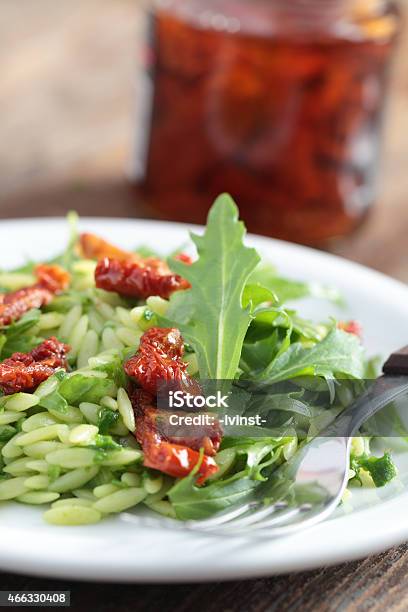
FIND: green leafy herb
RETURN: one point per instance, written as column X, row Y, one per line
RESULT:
column 106, row 419
column 103, row 445
column 192, row 502
column 7, row 432
column 69, row 255
column 106, row 443
column 339, row 353
column 55, row 403
column 214, row 302
column 78, row 388
column 287, row 290
column 14, row 337
column 253, row 455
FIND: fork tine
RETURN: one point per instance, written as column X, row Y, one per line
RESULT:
column 285, row 520
column 220, row 519
column 255, row 517
column 292, row 526
column 282, row 517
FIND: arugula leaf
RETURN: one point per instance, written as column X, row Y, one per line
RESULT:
column 55, row 403
column 28, row 320
column 287, row 289
column 256, row 295
column 69, row 256
column 191, row 502
column 7, row 432
column 13, row 337
column 285, row 402
column 214, row 302
column 77, row 388
column 338, row 353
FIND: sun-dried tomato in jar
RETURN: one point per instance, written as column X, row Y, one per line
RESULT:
column 278, row 102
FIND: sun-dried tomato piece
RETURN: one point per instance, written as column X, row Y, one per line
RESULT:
column 25, row 371
column 141, row 400
column 51, row 352
column 19, row 302
column 171, row 450
column 351, row 327
column 151, row 369
column 165, row 340
column 139, row 280
column 52, row 277
column 178, row 461
column 206, row 435
column 159, row 362
column 16, row 376
column 175, row 457
column 51, row 280
column 94, row 247
column 183, row 257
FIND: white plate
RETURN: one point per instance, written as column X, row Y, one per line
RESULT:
column 116, row 549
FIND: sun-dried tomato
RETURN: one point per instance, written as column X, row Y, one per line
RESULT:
column 141, row 400
column 183, row 257
column 51, row 280
column 19, row 302
column 147, row 276
column 151, row 369
column 139, row 280
column 151, row 420
column 167, row 341
column 159, row 362
column 178, row 461
column 168, row 449
column 173, row 457
column 51, row 352
column 25, row 371
column 94, row 247
column 52, row 277
column 351, row 327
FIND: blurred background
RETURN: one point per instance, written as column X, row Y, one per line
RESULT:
column 108, row 113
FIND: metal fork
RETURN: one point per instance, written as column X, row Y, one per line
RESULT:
column 308, row 488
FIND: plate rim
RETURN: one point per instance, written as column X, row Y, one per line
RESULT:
column 389, row 537
column 285, row 244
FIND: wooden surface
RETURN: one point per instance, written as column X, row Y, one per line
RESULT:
column 377, row 584
column 67, row 72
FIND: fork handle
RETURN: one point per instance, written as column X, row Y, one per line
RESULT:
column 384, row 390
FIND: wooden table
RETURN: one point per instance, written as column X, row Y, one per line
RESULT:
column 67, row 70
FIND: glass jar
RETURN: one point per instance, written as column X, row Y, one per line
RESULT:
column 277, row 102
